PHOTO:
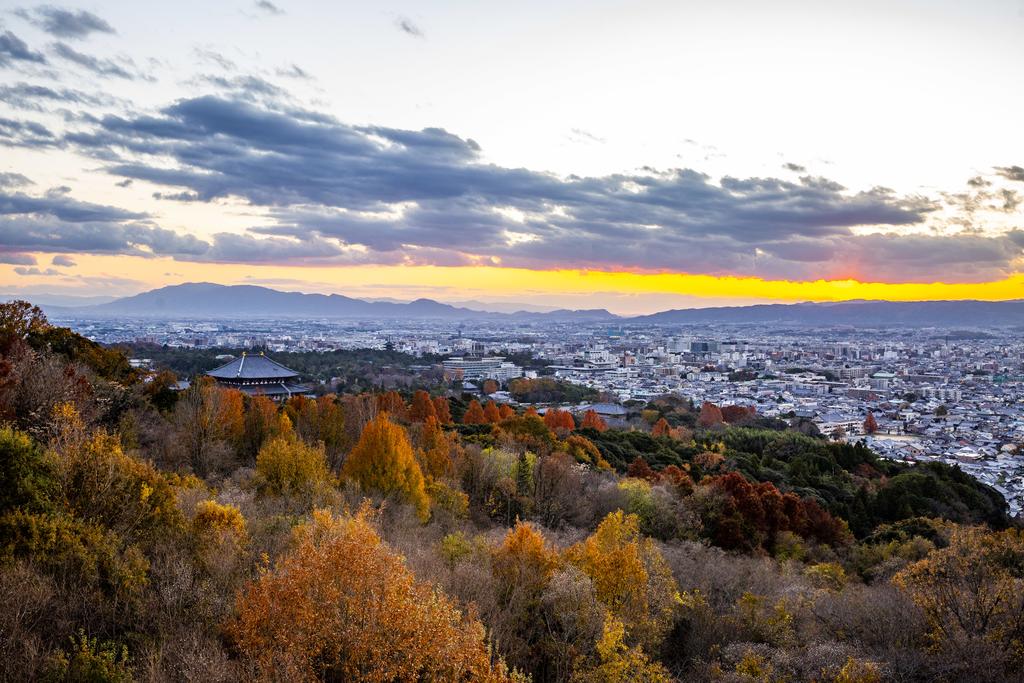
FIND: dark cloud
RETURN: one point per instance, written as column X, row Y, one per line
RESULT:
column 106, row 68
column 268, row 7
column 63, row 261
column 13, row 180
column 31, row 97
column 65, row 23
column 407, row 26
column 214, row 57
column 26, row 134
column 36, row 271
column 17, row 259
column 1011, row 172
column 796, row 168
column 345, row 194
column 13, row 49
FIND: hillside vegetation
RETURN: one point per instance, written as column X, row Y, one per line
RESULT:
column 147, row 534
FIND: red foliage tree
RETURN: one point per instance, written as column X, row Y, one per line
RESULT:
column 734, row 414
column 491, row 412
column 710, row 415
column 443, row 410
column 661, row 428
column 870, row 424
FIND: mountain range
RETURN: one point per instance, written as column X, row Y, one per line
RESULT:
column 233, row 301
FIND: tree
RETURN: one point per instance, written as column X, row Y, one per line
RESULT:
column 444, row 411
column 422, row 407
column 26, row 479
column 435, row 452
column 661, row 428
column 344, row 606
column 474, row 414
column 559, row 420
column 391, row 402
column 592, row 420
column 18, row 319
column 383, row 461
column 505, row 412
column 710, row 415
column 631, row 578
column 870, row 424
column 616, row 661
column 489, row 386
column 491, row 413
column 972, row 592
column 286, row 466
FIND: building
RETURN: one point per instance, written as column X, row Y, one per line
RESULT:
column 257, row 375
column 491, row 367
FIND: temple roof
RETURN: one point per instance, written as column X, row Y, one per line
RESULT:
column 252, row 367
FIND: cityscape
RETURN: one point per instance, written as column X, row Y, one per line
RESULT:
column 936, row 394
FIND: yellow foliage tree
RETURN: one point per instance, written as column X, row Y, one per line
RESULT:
column 287, row 466
column 631, row 578
column 383, row 461
column 972, row 590
column 617, row 662
column 343, row 606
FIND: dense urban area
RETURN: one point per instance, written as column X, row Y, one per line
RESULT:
column 943, row 395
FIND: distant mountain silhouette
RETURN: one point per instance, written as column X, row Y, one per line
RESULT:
column 232, row 301
column 205, row 299
column 856, row 313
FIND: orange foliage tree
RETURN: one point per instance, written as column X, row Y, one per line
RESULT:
column 592, row 420
column 661, row 428
column 343, row 606
column 383, row 461
column 505, row 411
column 474, row 414
column 491, row 412
column 422, row 407
column 392, row 402
column 443, row 410
column 489, row 386
column 557, row 419
column 870, row 424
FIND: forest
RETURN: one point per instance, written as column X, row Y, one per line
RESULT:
column 148, row 534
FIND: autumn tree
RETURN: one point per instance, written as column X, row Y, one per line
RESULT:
column 591, row 420
column 615, row 661
column 422, row 407
column 489, row 386
column 710, row 415
column 383, row 461
column 343, row 606
column 735, row 414
column 18, row 319
column 491, row 412
column 559, row 420
column 661, row 428
column 443, row 410
column 972, row 593
column 870, row 424
column 435, row 450
column 631, row 578
column 505, row 412
column 211, row 425
column 287, row 466
column 474, row 414
column 391, row 402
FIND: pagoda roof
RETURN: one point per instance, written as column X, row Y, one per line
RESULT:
column 252, row 367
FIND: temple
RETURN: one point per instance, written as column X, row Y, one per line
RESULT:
column 258, row 375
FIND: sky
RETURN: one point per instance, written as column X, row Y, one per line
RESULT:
column 634, row 156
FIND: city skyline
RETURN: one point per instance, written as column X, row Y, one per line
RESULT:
column 635, row 158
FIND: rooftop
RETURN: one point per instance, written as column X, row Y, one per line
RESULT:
column 252, row 367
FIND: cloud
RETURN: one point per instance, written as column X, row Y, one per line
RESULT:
column 17, row 259
column 336, row 193
column 796, row 168
column 26, row 134
column 64, row 23
column 407, row 26
column 13, row 49
column 98, row 66
column 13, row 180
column 294, row 71
column 268, row 7
column 1011, row 172
column 65, row 261
column 36, row 271
column 30, row 97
